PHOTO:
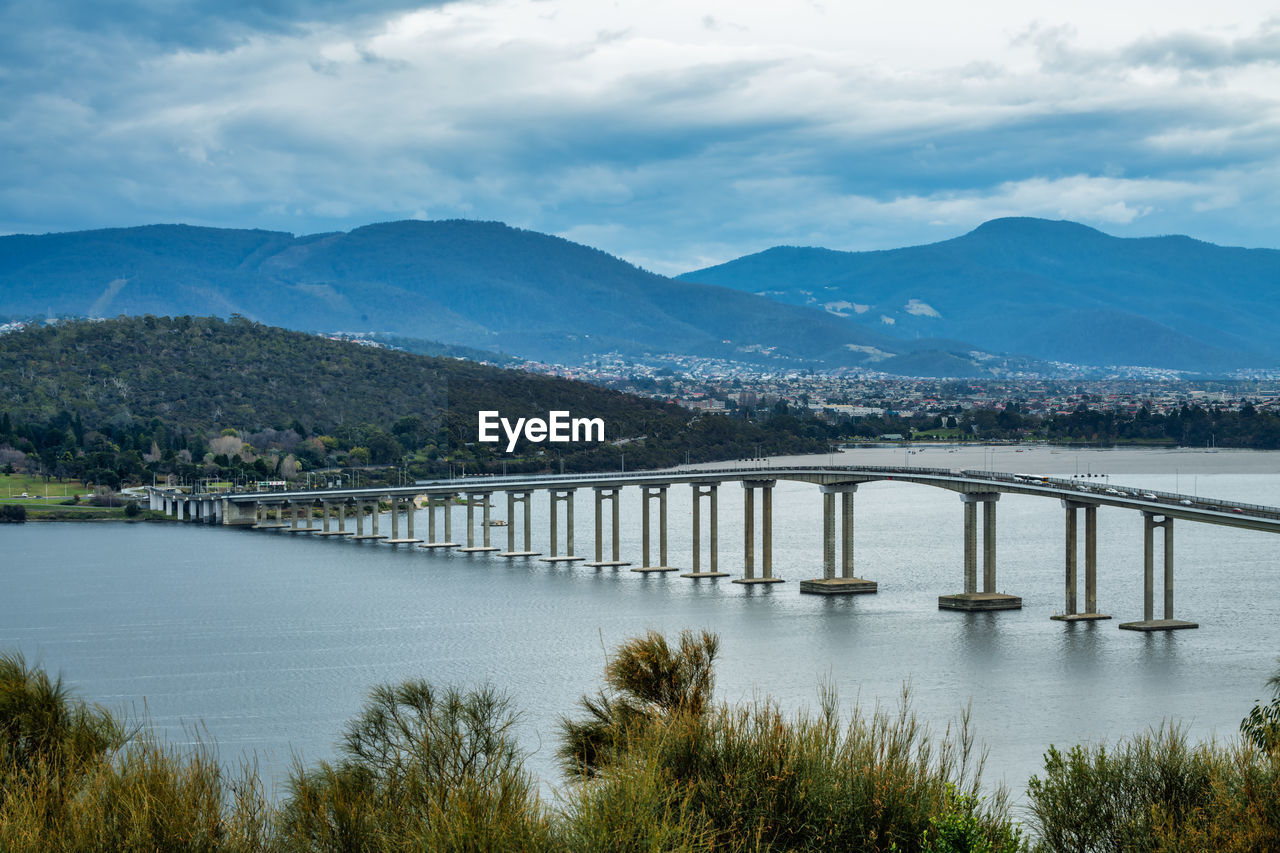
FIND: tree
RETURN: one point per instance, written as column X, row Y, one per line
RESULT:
column 1262, row 727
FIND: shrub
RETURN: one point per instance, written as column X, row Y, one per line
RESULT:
column 421, row 769
column 1093, row 798
column 663, row 769
column 13, row 514
column 1262, row 727
column 646, row 681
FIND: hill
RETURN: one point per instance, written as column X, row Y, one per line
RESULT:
column 146, row 395
column 475, row 284
column 1057, row 291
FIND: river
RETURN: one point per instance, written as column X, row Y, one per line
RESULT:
column 265, row 643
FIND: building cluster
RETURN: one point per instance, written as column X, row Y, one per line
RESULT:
column 706, row 384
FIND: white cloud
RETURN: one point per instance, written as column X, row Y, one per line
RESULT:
column 674, row 134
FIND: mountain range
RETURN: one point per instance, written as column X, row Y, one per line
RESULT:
column 1057, row 291
column 479, row 284
column 1033, row 290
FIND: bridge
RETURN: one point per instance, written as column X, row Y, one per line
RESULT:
column 296, row 511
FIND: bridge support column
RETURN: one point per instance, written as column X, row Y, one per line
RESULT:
column 522, row 498
column 647, row 493
column 484, row 500
column 749, row 533
column 846, row 583
column 396, row 504
column 326, row 513
column 1149, row 622
column 1090, row 564
column 565, row 495
column 708, row 491
column 308, row 517
column 610, row 494
column 374, row 512
column 440, row 502
column 988, row 599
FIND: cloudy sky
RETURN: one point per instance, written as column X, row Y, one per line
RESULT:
column 673, row 134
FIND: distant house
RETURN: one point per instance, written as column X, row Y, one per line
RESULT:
column 891, row 436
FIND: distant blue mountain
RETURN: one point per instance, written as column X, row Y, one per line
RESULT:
column 478, row 284
column 1057, row 291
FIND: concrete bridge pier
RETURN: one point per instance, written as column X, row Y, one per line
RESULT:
column 557, row 496
column 397, row 504
column 300, row 512
column 235, row 514
column 268, row 516
column 847, row 583
column 648, row 493
column 374, row 509
column 713, row 571
column 1090, row 564
column 988, row 599
column 1149, row 622
column 610, row 494
column 521, row 498
column 441, row 502
column 749, row 532
column 483, row 500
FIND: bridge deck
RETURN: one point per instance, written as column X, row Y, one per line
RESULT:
column 1180, row 506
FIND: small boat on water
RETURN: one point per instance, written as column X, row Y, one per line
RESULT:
column 497, row 522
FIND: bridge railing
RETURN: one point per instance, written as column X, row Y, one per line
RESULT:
column 1075, row 487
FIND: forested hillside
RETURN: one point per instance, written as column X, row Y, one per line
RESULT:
column 120, row 400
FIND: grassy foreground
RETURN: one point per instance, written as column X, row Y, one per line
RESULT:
column 653, row 765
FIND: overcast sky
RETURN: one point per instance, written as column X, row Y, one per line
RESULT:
column 673, row 134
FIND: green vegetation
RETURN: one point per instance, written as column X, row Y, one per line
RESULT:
column 654, row 765
column 1158, row 792
column 1262, row 727
column 422, row 768
column 125, row 400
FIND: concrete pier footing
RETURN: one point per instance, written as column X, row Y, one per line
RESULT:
column 973, row 601
column 1157, row 625
column 839, row 586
